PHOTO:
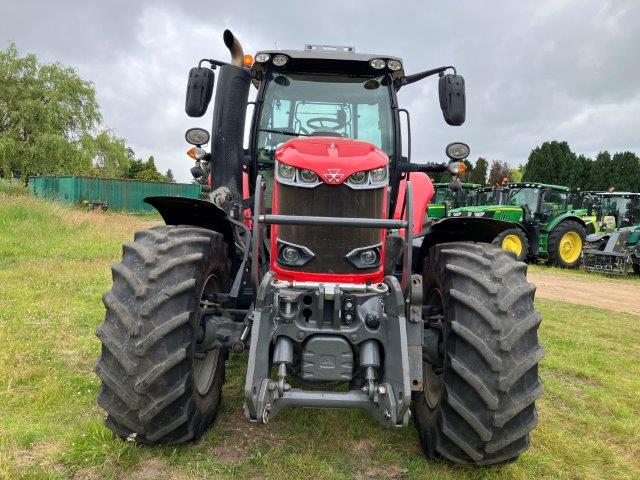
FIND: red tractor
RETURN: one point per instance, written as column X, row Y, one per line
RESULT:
column 314, row 253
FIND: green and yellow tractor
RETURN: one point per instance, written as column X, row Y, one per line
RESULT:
column 546, row 226
column 450, row 195
column 615, row 250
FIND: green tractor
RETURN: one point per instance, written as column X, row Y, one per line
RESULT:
column 451, row 195
column 546, row 226
column 615, row 251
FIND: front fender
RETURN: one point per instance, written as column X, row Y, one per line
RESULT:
column 463, row 229
column 197, row 213
column 554, row 222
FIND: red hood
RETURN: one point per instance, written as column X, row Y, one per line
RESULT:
column 334, row 159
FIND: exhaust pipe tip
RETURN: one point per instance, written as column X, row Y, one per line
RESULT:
column 228, row 38
column 232, row 43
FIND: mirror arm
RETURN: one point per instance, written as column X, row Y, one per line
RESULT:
column 425, row 168
column 416, row 77
column 212, row 63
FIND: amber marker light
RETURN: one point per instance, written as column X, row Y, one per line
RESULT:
column 196, row 153
column 247, row 61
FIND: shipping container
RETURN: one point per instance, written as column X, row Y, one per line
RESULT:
column 116, row 194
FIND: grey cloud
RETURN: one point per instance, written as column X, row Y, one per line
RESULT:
column 534, row 70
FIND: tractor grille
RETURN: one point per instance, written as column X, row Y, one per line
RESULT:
column 330, row 244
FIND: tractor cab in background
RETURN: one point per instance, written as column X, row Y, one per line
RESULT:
column 451, row 195
column 615, row 249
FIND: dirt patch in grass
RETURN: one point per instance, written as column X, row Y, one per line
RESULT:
column 240, row 437
column 151, row 469
column 622, row 297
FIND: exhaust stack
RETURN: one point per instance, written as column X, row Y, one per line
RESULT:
column 227, row 131
column 232, row 43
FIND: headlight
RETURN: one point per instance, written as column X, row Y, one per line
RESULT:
column 308, row 176
column 457, row 151
column 378, row 175
column 365, row 257
column 290, row 254
column 377, row 63
column 394, row 65
column 197, row 136
column 358, row 177
column 286, row 171
column 293, row 255
column 368, row 257
column 280, row 60
column 262, row 57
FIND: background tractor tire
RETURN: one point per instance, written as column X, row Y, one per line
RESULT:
column 565, row 244
column 154, row 389
column 477, row 404
column 513, row 240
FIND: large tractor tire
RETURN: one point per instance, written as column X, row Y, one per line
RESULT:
column 513, row 240
column 565, row 243
column 477, row 404
column 155, row 389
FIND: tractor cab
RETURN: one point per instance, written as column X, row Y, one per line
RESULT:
column 451, row 195
column 618, row 210
column 616, row 249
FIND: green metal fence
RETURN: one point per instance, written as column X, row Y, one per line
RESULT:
column 118, row 194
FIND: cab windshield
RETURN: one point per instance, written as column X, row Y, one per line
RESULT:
column 320, row 104
column 525, row 197
column 443, row 194
column 626, row 210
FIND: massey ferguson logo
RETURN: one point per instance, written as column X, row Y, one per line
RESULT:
column 333, row 175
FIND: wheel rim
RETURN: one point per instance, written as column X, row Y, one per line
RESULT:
column 512, row 243
column 205, row 366
column 432, row 382
column 570, row 247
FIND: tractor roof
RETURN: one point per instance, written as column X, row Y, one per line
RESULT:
column 539, row 185
column 619, row 194
column 325, row 58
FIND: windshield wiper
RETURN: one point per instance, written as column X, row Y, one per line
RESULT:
column 283, row 132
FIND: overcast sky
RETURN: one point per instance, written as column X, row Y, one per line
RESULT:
column 535, row 71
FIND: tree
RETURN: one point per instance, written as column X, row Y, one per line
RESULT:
column 516, row 174
column 625, row 172
column 146, row 171
column 110, row 155
column 47, row 116
column 479, row 172
column 600, row 172
column 549, row 163
column 498, row 172
column 49, row 122
column 169, row 176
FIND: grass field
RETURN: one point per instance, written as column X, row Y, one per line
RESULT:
column 54, row 266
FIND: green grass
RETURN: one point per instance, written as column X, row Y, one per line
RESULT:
column 580, row 274
column 54, row 265
column 12, row 187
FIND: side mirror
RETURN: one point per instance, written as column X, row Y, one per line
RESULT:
column 452, row 99
column 199, row 91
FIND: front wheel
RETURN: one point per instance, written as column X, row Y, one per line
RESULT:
column 480, row 379
column 565, row 244
column 513, row 240
column 155, row 387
